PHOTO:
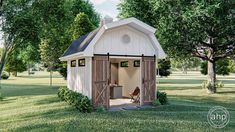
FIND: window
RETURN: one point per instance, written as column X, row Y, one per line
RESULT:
column 81, row 62
column 136, row 63
column 124, row 64
column 73, row 63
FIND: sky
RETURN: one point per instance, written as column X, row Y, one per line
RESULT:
column 106, row 7
column 103, row 7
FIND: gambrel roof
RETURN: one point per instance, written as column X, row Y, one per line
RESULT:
column 84, row 46
column 80, row 44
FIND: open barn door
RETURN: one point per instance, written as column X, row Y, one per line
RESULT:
column 100, row 81
column 148, row 73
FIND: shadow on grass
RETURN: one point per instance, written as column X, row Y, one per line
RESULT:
column 36, row 76
column 177, row 88
column 48, row 100
column 181, row 81
column 202, row 101
column 10, row 90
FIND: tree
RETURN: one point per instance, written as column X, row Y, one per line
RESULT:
column 203, row 29
column 232, row 66
column 59, row 27
column 15, row 64
column 81, row 26
column 222, row 67
column 30, row 55
column 18, row 26
column 185, row 63
column 164, row 67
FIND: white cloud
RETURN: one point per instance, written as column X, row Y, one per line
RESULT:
column 97, row 2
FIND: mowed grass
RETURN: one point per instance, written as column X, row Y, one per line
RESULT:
column 29, row 104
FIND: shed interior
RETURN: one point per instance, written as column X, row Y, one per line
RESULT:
column 125, row 77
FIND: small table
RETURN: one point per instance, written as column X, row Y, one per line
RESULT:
column 115, row 92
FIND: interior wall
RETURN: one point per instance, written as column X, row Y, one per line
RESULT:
column 129, row 78
column 114, row 73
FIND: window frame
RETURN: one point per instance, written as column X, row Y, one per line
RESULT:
column 72, row 63
column 136, row 65
column 79, row 63
column 123, row 62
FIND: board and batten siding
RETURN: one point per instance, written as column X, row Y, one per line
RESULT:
column 79, row 78
column 111, row 42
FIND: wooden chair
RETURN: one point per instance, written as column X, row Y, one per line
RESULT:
column 135, row 96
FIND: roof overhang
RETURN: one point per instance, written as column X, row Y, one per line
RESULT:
column 72, row 56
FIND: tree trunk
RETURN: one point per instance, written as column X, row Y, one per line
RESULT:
column 28, row 69
column 211, row 77
column 14, row 73
column 50, row 77
column 3, row 61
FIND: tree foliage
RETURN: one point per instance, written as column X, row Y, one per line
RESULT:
column 203, row 29
column 185, row 64
column 15, row 63
column 29, row 23
column 164, row 67
column 81, row 26
column 222, row 67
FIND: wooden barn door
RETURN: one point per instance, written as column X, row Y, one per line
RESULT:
column 148, row 80
column 100, row 81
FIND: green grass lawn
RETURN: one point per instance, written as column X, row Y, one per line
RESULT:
column 30, row 104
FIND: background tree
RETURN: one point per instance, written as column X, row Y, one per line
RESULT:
column 81, row 26
column 185, row 64
column 56, row 35
column 203, row 29
column 232, row 65
column 15, row 63
column 222, row 67
column 30, row 56
column 19, row 27
column 164, row 67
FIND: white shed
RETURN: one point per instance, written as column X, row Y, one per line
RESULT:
column 111, row 61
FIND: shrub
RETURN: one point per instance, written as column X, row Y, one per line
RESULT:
column 1, row 96
column 81, row 102
column 162, row 97
column 208, row 85
column 61, row 92
column 5, row 75
column 100, row 109
column 156, row 102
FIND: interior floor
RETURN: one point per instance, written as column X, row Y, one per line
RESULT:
column 122, row 104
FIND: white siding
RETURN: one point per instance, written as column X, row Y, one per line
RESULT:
column 111, row 42
column 79, row 78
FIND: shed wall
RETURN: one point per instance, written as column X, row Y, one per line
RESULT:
column 79, row 78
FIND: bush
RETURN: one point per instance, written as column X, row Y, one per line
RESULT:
column 208, row 85
column 162, row 97
column 81, row 102
column 5, row 75
column 156, row 102
column 100, row 109
column 164, row 67
column 61, row 93
column 1, row 96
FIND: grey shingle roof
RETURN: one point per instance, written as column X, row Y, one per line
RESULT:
column 81, row 43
